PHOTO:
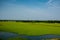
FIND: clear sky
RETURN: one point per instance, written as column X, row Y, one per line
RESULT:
column 30, row 9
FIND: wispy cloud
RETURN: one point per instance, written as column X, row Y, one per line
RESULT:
column 53, row 3
column 49, row 2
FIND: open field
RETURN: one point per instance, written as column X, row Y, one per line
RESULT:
column 30, row 28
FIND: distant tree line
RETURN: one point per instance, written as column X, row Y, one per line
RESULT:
column 33, row 21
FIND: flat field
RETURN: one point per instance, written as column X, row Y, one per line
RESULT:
column 30, row 28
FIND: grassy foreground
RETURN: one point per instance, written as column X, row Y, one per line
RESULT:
column 30, row 28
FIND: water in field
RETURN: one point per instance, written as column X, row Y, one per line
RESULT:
column 11, row 36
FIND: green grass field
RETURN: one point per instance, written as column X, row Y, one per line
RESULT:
column 30, row 28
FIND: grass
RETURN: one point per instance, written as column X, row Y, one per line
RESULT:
column 30, row 28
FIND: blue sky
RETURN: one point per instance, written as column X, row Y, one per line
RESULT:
column 30, row 9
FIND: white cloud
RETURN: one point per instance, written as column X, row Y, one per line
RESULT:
column 49, row 2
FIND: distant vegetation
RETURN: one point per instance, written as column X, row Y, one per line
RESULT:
column 33, row 21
